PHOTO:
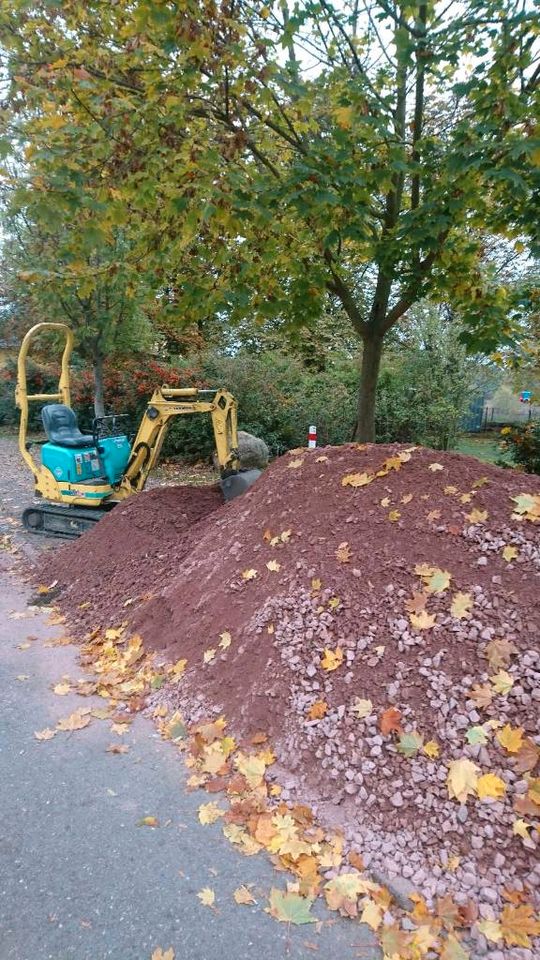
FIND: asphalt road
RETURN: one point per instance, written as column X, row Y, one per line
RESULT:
column 79, row 880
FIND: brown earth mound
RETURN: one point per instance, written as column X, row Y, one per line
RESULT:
column 376, row 611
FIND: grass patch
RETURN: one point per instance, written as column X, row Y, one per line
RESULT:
column 484, row 448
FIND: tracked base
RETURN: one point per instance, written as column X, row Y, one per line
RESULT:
column 54, row 520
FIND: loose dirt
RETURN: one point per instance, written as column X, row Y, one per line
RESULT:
column 328, row 595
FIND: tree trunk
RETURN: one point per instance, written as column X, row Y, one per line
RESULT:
column 99, row 390
column 371, row 361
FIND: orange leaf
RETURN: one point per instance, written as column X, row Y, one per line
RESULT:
column 390, row 720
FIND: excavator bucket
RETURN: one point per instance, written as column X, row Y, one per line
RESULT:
column 237, row 483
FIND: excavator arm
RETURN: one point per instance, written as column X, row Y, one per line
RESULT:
column 168, row 402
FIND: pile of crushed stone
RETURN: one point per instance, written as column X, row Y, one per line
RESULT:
column 376, row 611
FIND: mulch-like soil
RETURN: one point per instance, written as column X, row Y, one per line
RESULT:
column 305, row 573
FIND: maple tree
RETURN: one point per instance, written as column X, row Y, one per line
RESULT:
column 263, row 160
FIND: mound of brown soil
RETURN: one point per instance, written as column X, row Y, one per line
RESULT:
column 376, row 611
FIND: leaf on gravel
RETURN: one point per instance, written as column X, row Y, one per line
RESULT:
column 273, row 566
column 476, row 735
column 362, row 708
column 406, row 498
column 46, row 734
column 209, row 655
column 502, row 682
column 148, row 822
column 509, row 553
column 477, row 516
column 316, row 584
column 431, row 749
column 385, row 502
column 511, row 738
column 332, row 659
column 490, row 929
column 435, row 467
column 290, row 907
column 207, row 897
column 343, row 553
column 249, row 574
column 465, row 498
column 357, row 479
column 372, row 914
column 423, row 620
column 527, row 506
column 416, row 603
column 75, row 721
column 225, row 640
column 518, row 924
column 209, row 812
column 527, row 757
column 160, row 954
column 453, row 950
column 481, row 694
column 178, row 669
column 343, row 891
column 499, row 653
column 490, row 786
column 243, row 896
column 294, row 464
column 390, row 721
column 117, row 748
column 318, row 710
column 439, row 581
column 394, row 515
column 520, row 828
column 433, row 515
column 462, row 604
column 252, row 768
column 462, row 779
column 410, row 743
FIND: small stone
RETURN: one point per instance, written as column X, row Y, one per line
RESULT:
column 396, row 799
column 463, row 814
column 488, row 894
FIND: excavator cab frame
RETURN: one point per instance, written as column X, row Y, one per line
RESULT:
column 90, row 499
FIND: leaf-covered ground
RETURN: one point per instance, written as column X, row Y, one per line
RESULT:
column 371, row 614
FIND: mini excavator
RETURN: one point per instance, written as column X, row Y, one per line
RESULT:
column 82, row 476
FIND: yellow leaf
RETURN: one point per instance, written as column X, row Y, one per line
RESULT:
column 209, row 655
column 209, row 812
column 490, row 786
column 518, row 924
column 502, row 682
column 462, row 779
column 285, row 536
column 357, row 479
column 316, row 584
column 435, row 467
column 520, row 828
column 431, row 749
column 249, row 574
column 511, row 738
column 344, row 117
column 510, row 553
column 394, row 515
column 334, row 603
column 273, row 565
column 343, row 552
column 332, row 659
column 362, row 708
column 294, row 464
column 461, row 605
column 490, row 929
column 450, row 490
column 148, row 822
column 46, row 734
column 422, row 620
column 385, row 502
column 119, row 728
column 160, row 954
column 251, row 767
column 465, row 498
column 243, row 896
column 433, row 515
column 477, row 516
column 76, row 721
column 372, row 914
column 178, row 668
column 406, row 498
column 61, row 689
column 320, row 459
column 225, row 640
column 207, row 897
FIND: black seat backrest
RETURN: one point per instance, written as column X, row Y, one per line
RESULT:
column 60, row 424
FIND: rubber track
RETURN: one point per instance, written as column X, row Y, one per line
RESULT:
column 73, row 521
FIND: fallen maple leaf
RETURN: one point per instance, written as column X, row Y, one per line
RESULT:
column 390, row 721
column 476, row 735
column 148, row 822
column 490, row 929
column 433, row 515
column 332, row 659
column 461, row 605
column 316, row 584
column 160, row 954
column 357, row 479
column 422, row 620
column 225, row 640
column 294, row 464
column 502, row 682
column 510, row 553
column 482, row 695
column 207, row 897
column 511, row 738
column 409, row 743
column 343, row 553
column 394, row 515
column 416, row 603
column 462, row 779
column 362, row 708
column 406, row 498
column 372, row 914
column 243, row 896
column 250, row 574
column 489, row 786
column 76, row 721
column 450, row 490
column 385, row 502
column 477, row 516
column 209, row 813
column 453, row 950
column 465, row 498
column 209, row 655
column 61, row 688
column 518, row 925
column 318, row 710
column 431, row 749
column 439, row 581
column 527, row 507
column 527, row 757
column 334, row 603
column 273, row 565
column 435, row 467
column 499, row 653
column 520, row 828
column 46, row 734
column 290, row 907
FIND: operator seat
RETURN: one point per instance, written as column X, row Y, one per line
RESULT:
column 60, row 425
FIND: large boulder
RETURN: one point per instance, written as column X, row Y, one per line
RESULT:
column 253, row 451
